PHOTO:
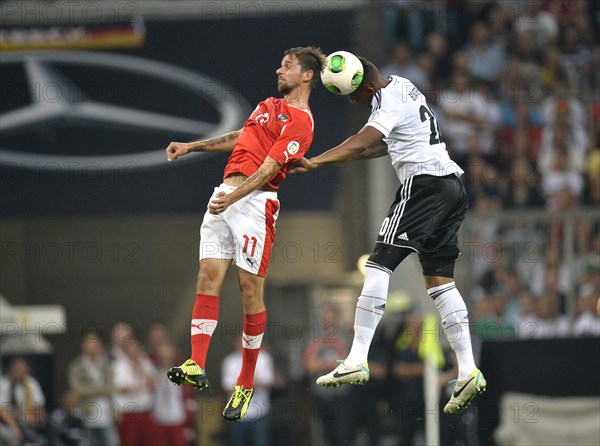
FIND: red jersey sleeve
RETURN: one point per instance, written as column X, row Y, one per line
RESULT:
column 293, row 142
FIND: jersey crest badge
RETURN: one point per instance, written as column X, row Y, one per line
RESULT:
column 283, row 117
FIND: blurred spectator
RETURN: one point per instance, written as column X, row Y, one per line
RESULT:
column 255, row 427
column 426, row 64
column 486, row 56
column 121, row 334
column 91, row 379
column 460, row 65
column 333, row 411
column 468, row 115
column 550, row 322
column 526, row 50
column 593, row 173
column 552, row 68
column 480, row 11
column 66, row 423
column 526, row 322
column 23, row 396
column 498, row 271
column 401, row 64
column 437, row 49
column 587, row 322
column 482, row 179
column 552, row 262
column 542, row 24
column 577, row 58
column 520, row 118
column 10, row 433
column 561, row 143
column 134, row 397
column 589, row 263
column 174, row 406
column 596, row 74
column 158, row 334
column 520, row 187
column 512, row 288
column 498, row 325
column 561, row 185
column 561, row 107
column 411, row 21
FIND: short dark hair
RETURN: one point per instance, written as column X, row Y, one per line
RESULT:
column 370, row 71
column 310, row 58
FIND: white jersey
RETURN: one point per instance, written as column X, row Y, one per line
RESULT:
column 410, row 131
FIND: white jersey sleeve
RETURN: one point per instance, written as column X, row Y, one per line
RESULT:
column 411, row 131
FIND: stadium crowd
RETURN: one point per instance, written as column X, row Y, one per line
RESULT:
column 118, row 395
column 516, row 88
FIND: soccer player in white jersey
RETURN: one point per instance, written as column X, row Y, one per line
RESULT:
column 425, row 217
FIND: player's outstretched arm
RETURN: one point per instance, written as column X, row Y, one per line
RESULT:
column 350, row 149
column 375, row 151
column 223, row 143
column 258, row 179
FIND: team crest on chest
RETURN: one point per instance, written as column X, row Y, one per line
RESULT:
column 283, row 117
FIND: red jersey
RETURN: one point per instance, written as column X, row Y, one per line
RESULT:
column 274, row 129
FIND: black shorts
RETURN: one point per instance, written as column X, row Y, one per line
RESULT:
column 426, row 216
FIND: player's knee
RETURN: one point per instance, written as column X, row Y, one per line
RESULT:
column 437, row 267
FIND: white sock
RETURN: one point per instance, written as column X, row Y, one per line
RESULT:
column 369, row 310
column 455, row 322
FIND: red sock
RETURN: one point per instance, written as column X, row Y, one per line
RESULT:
column 204, row 321
column 254, row 328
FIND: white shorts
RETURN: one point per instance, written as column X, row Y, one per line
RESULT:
column 244, row 232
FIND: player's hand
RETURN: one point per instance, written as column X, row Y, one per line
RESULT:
column 303, row 165
column 177, row 149
column 220, row 203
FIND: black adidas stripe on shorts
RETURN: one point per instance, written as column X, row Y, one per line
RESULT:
column 426, row 216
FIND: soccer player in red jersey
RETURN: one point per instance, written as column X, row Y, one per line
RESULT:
column 239, row 224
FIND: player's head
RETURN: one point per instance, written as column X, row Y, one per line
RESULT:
column 371, row 83
column 300, row 66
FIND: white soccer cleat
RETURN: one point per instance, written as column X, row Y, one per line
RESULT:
column 464, row 391
column 345, row 374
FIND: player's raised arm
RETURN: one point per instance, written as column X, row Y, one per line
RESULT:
column 223, row 143
column 353, row 148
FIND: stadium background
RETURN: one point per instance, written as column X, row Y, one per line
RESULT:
column 118, row 242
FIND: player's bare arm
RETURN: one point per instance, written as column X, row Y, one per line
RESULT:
column 255, row 181
column 223, row 143
column 377, row 150
column 350, row 149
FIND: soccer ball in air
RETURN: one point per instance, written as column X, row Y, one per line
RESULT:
column 343, row 72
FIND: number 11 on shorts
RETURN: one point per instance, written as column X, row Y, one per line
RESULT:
column 246, row 242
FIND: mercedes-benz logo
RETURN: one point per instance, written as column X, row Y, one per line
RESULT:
column 76, row 108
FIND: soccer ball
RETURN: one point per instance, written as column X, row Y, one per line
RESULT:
column 343, row 72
